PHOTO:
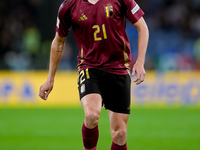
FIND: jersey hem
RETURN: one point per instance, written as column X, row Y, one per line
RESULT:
column 121, row 71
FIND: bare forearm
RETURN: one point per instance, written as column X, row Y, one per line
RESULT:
column 55, row 57
column 142, row 46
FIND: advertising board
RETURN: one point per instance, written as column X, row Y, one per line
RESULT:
column 158, row 89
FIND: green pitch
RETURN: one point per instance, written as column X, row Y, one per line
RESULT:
column 60, row 129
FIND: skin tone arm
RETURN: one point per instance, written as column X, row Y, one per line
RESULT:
column 143, row 37
column 57, row 47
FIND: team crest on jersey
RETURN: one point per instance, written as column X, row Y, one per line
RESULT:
column 109, row 11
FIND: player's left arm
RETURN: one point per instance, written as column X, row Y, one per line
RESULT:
column 143, row 37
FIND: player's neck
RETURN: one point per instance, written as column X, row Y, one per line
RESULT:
column 93, row 1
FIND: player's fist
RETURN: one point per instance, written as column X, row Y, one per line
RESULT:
column 45, row 89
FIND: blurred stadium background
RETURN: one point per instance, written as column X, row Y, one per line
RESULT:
column 165, row 110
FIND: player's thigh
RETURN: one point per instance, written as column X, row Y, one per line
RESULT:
column 92, row 103
column 118, row 121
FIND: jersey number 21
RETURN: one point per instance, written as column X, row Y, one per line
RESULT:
column 98, row 29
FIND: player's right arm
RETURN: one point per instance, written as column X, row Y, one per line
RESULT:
column 62, row 29
column 57, row 47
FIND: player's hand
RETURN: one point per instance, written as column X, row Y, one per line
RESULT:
column 139, row 69
column 45, row 89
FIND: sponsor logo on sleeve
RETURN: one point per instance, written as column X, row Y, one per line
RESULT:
column 135, row 9
column 58, row 22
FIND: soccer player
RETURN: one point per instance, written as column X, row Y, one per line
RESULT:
column 103, row 61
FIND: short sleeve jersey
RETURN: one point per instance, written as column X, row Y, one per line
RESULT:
column 99, row 30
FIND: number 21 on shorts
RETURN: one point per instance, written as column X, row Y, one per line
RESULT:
column 83, row 74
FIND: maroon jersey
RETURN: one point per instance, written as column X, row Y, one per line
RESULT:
column 99, row 30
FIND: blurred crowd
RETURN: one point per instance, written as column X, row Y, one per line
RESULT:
column 174, row 42
column 27, row 28
column 19, row 34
